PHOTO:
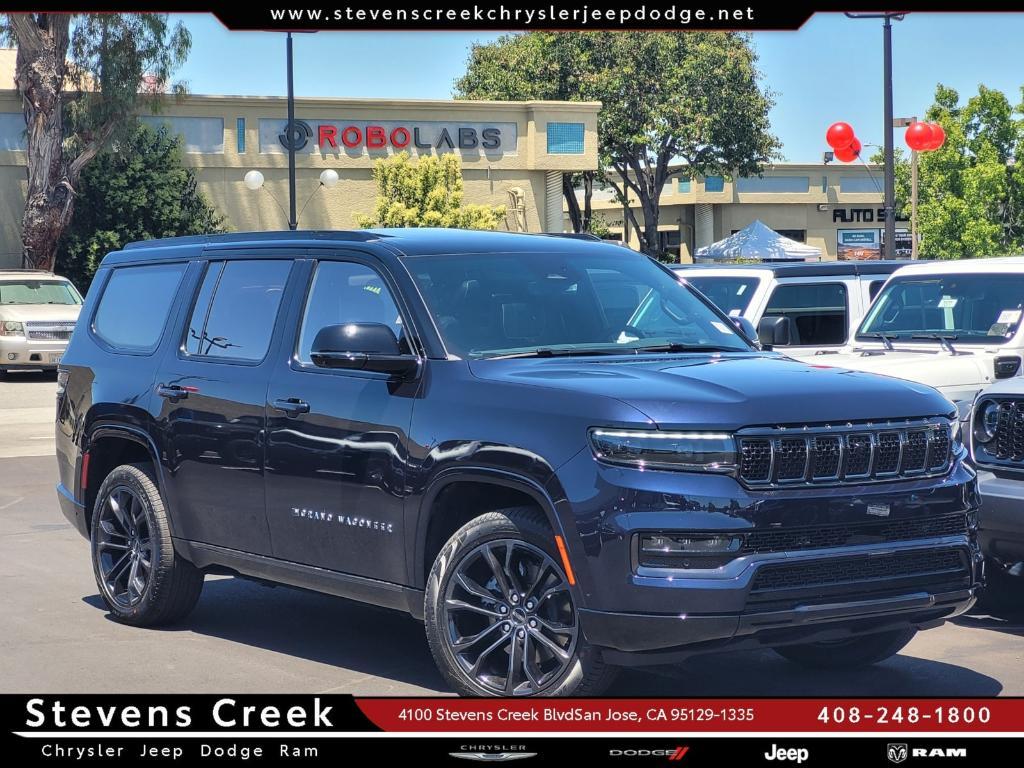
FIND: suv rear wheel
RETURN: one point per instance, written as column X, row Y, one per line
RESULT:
column 851, row 652
column 500, row 616
column 141, row 579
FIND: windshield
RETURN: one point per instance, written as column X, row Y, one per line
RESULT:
column 966, row 308
column 492, row 305
column 732, row 295
column 38, row 292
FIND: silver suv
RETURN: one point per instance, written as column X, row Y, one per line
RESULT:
column 38, row 311
column 997, row 447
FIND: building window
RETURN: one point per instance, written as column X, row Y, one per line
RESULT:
column 565, row 138
column 684, row 186
column 790, row 184
column 860, row 185
column 12, row 131
column 714, row 184
column 824, row 184
column 199, row 135
column 240, row 135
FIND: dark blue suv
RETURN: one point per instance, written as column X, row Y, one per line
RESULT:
column 555, row 452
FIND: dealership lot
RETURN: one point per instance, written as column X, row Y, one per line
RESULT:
column 247, row 637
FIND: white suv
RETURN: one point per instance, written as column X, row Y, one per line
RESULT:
column 38, row 311
column 954, row 325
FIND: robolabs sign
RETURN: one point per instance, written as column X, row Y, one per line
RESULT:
column 384, row 136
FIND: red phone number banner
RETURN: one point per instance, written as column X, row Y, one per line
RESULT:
column 1003, row 715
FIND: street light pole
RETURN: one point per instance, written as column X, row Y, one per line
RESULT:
column 293, row 222
column 889, row 204
column 890, row 171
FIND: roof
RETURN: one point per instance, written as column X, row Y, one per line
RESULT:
column 1014, row 264
column 409, row 241
column 28, row 274
column 803, row 269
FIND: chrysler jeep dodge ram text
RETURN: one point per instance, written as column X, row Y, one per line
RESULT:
column 553, row 451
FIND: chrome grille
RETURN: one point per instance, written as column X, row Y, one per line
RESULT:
column 50, row 331
column 850, row 453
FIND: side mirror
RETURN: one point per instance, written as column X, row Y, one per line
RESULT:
column 362, row 347
column 745, row 327
column 777, row 331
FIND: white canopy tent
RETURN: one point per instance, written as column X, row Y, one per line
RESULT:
column 757, row 242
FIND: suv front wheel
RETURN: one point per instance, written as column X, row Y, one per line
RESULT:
column 141, row 579
column 500, row 616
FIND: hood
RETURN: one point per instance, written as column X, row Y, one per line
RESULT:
column 39, row 312
column 927, row 364
column 727, row 391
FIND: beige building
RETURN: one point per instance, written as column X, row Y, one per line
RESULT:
column 835, row 207
column 513, row 154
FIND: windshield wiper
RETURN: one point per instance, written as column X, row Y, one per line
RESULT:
column 675, row 346
column 556, row 352
column 885, row 338
column 945, row 339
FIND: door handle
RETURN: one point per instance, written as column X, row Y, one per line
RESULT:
column 174, row 392
column 292, row 406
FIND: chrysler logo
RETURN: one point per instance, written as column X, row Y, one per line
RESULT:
column 492, row 757
column 896, row 753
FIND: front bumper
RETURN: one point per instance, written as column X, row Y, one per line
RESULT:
column 643, row 614
column 19, row 352
column 1001, row 518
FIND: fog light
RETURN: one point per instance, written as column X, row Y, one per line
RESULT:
column 664, row 544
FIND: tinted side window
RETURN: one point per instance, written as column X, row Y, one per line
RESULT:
column 134, row 305
column 817, row 309
column 346, row 292
column 234, row 314
column 874, row 288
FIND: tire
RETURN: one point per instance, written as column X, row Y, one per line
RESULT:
column 844, row 654
column 165, row 592
column 518, row 544
column 1003, row 594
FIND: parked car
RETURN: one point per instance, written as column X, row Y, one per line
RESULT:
column 465, row 426
column 801, row 309
column 997, row 447
column 954, row 325
column 38, row 311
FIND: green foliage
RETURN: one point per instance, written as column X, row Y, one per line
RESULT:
column 666, row 97
column 425, row 193
column 138, row 190
column 970, row 191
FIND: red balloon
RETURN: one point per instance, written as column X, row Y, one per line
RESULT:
column 918, row 136
column 938, row 136
column 850, row 153
column 839, row 135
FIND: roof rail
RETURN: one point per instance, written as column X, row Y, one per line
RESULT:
column 240, row 237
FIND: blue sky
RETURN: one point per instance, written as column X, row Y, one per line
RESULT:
column 830, row 70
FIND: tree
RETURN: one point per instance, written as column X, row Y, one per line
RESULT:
column 137, row 190
column 969, row 191
column 544, row 66
column 81, row 79
column 425, row 193
column 668, row 98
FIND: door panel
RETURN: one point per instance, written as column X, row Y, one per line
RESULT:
column 336, row 440
column 212, row 417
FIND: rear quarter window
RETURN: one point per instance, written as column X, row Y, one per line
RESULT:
column 134, row 305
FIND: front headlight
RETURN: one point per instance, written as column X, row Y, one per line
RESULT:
column 651, row 449
column 986, row 419
column 12, row 328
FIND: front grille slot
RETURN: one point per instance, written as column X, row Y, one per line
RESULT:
column 824, row 455
column 776, row 578
column 772, row 540
column 49, row 331
column 1009, row 440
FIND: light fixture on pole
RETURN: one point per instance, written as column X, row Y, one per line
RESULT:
column 255, row 181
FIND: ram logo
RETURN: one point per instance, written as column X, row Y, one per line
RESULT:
column 896, row 753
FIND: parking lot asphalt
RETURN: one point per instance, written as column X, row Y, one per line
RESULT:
column 246, row 637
